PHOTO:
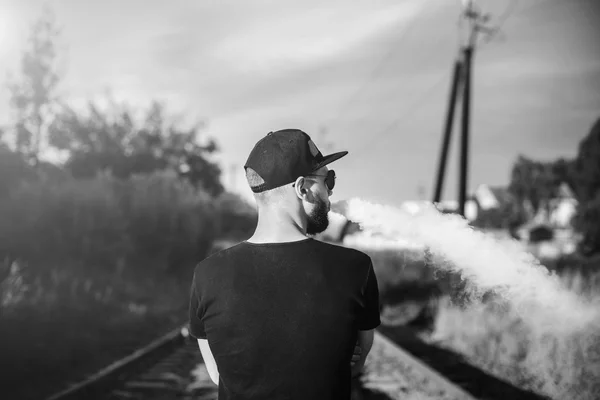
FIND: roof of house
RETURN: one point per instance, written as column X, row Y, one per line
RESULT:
column 565, row 191
column 491, row 196
column 501, row 193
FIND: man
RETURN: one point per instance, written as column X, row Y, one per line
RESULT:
column 277, row 316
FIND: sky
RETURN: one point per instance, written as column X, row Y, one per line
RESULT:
column 370, row 77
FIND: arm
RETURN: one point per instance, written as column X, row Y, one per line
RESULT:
column 368, row 320
column 365, row 342
column 198, row 331
column 209, row 360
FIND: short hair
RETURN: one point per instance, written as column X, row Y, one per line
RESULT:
column 253, row 178
column 267, row 197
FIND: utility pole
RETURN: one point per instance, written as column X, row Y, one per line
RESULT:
column 461, row 83
column 456, row 76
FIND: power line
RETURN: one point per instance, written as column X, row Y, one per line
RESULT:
column 538, row 4
column 502, row 20
column 578, row 77
column 390, row 127
column 374, row 73
column 508, row 12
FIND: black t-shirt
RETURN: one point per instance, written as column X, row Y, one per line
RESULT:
column 281, row 319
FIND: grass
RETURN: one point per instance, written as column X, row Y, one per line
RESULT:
column 492, row 336
column 103, row 255
column 65, row 327
column 554, row 363
column 71, row 322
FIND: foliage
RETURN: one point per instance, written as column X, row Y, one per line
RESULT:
column 169, row 221
column 75, row 220
column 493, row 336
column 74, row 312
column 546, row 362
column 13, row 170
column 99, row 140
column 585, row 172
column 114, row 141
column 111, row 237
column 155, row 222
column 33, row 95
column 587, row 221
column 535, row 182
column 238, row 218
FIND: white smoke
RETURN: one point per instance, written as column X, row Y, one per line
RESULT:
column 485, row 262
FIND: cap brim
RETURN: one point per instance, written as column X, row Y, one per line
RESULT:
column 331, row 158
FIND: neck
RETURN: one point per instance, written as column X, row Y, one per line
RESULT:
column 278, row 226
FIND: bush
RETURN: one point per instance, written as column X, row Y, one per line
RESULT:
column 558, row 365
column 170, row 224
column 238, row 218
column 587, row 221
column 156, row 221
column 70, row 221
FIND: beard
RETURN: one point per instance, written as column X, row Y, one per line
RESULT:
column 317, row 220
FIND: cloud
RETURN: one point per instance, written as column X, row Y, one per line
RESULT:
column 306, row 38
column 352, row 66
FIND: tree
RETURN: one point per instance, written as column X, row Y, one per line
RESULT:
column 535, row 182
column 13, row 171
column 33, row 95
column 100, row 140
column 587, row 221
column 585, row 175
column 585, row 170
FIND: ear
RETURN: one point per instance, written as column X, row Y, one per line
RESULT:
column 300, row 187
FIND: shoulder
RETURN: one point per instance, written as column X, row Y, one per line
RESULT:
column 215, row 261
column 348, row 254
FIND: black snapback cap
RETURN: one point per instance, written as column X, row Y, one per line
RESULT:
column 282, row 156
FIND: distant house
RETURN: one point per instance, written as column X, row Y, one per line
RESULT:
column 563, row 207
column 484, row 198
column 558, row 214
column 559, row 211
column 491, row 197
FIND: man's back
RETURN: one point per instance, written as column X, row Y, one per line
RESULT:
column 281, row 319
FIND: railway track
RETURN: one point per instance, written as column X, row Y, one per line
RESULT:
column 399, row 366
column 101, row 384
column 453, row 368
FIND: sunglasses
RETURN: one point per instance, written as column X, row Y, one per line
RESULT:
column 329, row 179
